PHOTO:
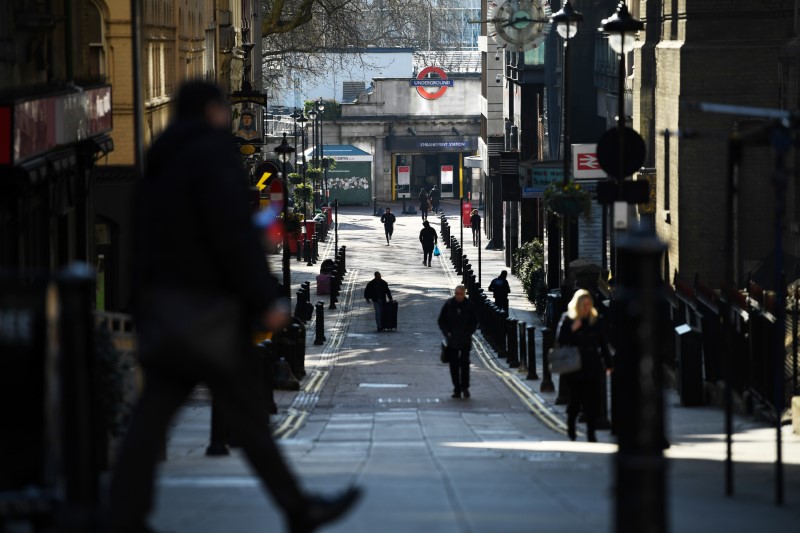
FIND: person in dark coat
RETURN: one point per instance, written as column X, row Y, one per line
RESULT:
column 500, row 288
column 475, row 224
column 377, row 291
column 435, row 195
column 428, row 238
column 458, row 321
column 581, row 326
column 193, row 234
column 424, row 203
column 388, row 219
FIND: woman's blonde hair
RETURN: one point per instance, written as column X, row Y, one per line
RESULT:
column 572, row 307
column 474, row 212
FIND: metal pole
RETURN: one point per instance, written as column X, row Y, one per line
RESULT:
column 461, row 224
column 565, row 178
column 138, row 103
column 287, row 278
column 336, row 225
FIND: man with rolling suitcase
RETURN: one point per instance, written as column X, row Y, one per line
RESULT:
column 377, row 291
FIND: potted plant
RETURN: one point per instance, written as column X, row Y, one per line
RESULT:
column 295, row 178
column 313, row 173
column 568, row 200
column 303, row 192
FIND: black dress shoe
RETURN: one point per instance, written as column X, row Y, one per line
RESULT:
column 466, row 393
column 456, row 394
column 318, row 511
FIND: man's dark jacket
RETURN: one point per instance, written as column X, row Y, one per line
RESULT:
column 458, row 322
column 427, row 236
column 192, row 221
column 500, row 288
column 388, row 219
column 377, row 290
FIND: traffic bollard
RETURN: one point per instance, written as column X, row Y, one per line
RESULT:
column 523, row 347
column 299, row 248
column 531, row 334
column 511, row 342
column 319, row 336
column 307, row 252
column 334, row 288
column 343, row 255
column 297, row 343
column 547, row 377
column 501, row 336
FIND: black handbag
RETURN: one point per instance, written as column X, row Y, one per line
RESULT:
column 182, row 331
column 444, row 356
column 565, row 359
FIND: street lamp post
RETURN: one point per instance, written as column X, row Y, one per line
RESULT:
column 295, row 116
column 566, row 21
column 302, row 120
column 312, row 114
column 640, row 468
column 320, row 105
column 284, row 152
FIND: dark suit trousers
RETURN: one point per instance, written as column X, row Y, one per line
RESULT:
column 459, row 368
column 244, row 408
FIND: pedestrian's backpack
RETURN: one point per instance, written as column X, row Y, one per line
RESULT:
column 495, row 284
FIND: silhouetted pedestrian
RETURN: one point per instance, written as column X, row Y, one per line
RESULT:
column 581, row 326
column 500, row 288
column 200, row 281
column 428, row 238
column 458, row 321
column 436, row 196
column 475, row 224
column 377, row 291
column 388, row 219
column 424, row 203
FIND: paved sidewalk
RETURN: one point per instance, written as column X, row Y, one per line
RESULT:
column 376, row 410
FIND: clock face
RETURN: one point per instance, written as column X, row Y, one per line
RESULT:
column 518, row 25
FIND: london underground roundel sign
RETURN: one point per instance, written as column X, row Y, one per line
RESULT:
column 422, row 81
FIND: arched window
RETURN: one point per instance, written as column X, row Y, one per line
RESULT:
column 92, row 41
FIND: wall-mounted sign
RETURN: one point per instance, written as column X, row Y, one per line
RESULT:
column 431, row 143
column 422, row 81
column 403, row 181
column 585, row 164
column 538, row 178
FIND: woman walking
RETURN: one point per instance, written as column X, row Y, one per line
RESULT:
column 424, row 203
column 581, row 326
column 475, row 224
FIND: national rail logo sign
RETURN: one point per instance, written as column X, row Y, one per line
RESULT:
column 585, row 164
column 422, row 81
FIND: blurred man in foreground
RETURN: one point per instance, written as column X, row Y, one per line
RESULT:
column 201, row 284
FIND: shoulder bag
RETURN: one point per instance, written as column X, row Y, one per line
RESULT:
column 565, row 359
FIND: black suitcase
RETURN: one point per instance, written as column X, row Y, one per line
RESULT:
column 389, row 315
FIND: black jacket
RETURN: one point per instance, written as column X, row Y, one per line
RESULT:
column 192, row 222
column 377, row 290
column 388, row 219
column 427, row 236
column 500, row 288
column 591, row 340
column 475, row 222
column 458, row 322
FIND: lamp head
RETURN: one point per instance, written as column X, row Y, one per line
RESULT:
column 566, row 21
column 320, row 105
column 284, row 150
column 621, row 28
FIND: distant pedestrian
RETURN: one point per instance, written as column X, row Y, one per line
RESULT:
column 429, row 239
column 436, row 195
column 200, row 280
column 377, row 291
column 458, row 321
column 581, row 326
column 424, row 203
column 388, row 219
column 500, row 288
column 475, row 224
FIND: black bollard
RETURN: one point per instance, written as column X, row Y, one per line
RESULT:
column 531, row 334
column 296, row 333
column 375, row 206
column 501, row 333
column 218, row 441
column 307, row 251
column 547, row 377
column 343, row 255
column 319, row 337
column 315, row 248
column 299, row 248
column 523, row 347
column 266, row 352
column 334, row 288
column 511, row 342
